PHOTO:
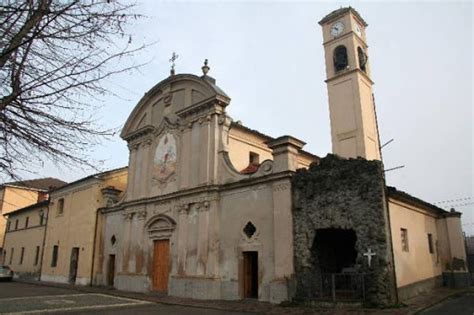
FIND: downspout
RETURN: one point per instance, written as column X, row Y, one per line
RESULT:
column 44, row 239
column 4, row 251
column 93, row 246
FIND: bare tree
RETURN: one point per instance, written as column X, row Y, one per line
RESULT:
column 55, row 56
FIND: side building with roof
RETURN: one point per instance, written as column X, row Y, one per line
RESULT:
column 24, row 240
column 71, row 248
column 20, row 194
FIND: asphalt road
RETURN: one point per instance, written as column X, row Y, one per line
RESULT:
column 459, row 305
column 22, row 298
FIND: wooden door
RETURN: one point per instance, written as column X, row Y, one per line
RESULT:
column 161, row 265
column 250, row 276
column 111, row 271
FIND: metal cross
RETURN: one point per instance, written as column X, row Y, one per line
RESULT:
column 172, row 60
column 369, row 255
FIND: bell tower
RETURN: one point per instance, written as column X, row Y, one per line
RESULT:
column 352, row 111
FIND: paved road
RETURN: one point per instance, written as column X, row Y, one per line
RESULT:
column 22, row 298
column 460, row 305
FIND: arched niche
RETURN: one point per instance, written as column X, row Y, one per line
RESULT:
column 160, row 227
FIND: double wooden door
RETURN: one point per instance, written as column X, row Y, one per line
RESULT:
column 161, row 265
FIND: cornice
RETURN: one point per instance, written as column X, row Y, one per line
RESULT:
column 148, row 129
column 347, row 72
column 214, row 104
column 351, row 32
column 208, row 189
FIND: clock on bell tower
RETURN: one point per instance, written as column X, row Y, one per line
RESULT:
column 354, row 130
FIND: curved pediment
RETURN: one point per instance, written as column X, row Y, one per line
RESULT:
column 172, row 95
column 160, row 226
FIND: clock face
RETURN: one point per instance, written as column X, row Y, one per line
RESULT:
column 337, row 29
column 358, row 31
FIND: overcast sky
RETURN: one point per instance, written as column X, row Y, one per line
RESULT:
column 268, row 57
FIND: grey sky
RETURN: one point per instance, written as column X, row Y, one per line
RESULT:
column 268, row 57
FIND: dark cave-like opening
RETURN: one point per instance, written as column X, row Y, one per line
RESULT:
column 335, row 249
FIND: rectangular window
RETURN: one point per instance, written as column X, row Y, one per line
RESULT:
column 404, row 238
column 16, row 224
column 41, row 218
column 37, row 255
column 60, row 208
column 26, row 222
column 54, row 260
column 254, row 158
column 21, row 255
column 9, row 225
column 430, row 243
column 11, row 256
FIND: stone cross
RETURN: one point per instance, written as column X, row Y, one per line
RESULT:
column 172, row 60
column 369, row 255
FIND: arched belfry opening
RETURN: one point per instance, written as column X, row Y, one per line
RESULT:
column 335, row 250
column 341, row 62
column 362, row 59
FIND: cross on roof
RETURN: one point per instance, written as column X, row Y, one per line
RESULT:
column 172, row 60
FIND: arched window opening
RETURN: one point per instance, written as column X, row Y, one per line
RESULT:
column 362, row 59
column 341, row 61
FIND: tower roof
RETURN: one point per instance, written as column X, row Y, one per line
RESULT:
column 339, row 12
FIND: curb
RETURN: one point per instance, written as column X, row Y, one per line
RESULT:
column 443, row 299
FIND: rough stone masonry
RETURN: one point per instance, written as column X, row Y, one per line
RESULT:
column 345, row 195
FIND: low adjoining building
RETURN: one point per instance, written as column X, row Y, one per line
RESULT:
column 19, row 194
column 24, row 240
column 71, row 236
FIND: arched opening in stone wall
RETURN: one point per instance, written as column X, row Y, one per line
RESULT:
column 334, row 250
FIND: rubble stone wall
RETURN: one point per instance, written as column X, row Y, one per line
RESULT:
column 343, row 194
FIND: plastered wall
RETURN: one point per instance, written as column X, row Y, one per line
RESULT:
column 417, row 263
column 28, row 238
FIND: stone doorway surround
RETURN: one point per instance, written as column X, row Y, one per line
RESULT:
column 160, row 229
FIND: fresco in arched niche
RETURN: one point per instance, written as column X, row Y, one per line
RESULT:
column 164, row 162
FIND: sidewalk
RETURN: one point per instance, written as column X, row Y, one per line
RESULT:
column 411, row 306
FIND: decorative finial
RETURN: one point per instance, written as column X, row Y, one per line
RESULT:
column 205, row 68
column 172, row 60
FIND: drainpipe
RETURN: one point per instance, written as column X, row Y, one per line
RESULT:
column 93, row 246
column 44, row 239
column 3, row 244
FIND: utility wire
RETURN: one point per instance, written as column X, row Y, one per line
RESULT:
column 454, row 200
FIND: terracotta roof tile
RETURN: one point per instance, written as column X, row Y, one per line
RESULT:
column 252, row 168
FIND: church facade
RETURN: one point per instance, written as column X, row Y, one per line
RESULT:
column 215, row 210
